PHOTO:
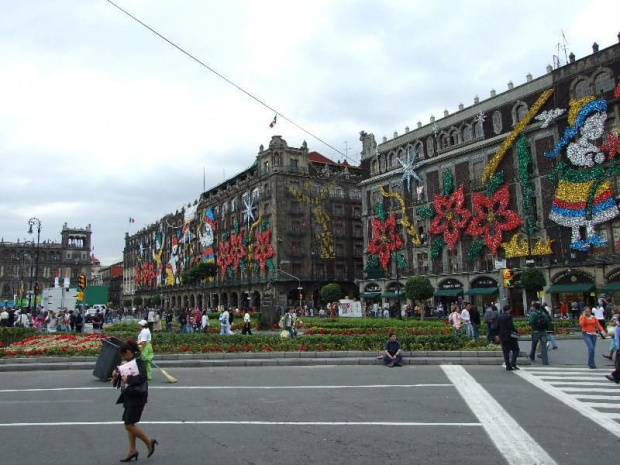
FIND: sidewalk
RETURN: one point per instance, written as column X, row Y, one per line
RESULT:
column 572, row 351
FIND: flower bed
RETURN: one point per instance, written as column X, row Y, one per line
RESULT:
column 56, row 344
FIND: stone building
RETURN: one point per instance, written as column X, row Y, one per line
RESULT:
column 20, row 268
column 464, row 154
column 268, row 237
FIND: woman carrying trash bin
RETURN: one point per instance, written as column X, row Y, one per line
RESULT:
column 146, row 348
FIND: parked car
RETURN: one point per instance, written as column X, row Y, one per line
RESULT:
column 90, row 313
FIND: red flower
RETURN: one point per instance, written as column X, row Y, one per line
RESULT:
column 223, row 257
column 385, row 240
column 492, row 218
column 264, row 249
column 237, row 249
column 451, row 216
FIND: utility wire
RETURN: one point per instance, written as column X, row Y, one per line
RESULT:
column 230, row 82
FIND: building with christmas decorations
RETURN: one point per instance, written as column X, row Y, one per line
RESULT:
column 269, row 237
column 526, row 179
column 25, row 263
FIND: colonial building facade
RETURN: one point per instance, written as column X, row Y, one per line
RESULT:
column 22, row 263
column 268, row 237
column 524, row 178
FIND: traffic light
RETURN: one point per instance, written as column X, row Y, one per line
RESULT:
column 82, row 281
column 509, row 278
column 80, row 296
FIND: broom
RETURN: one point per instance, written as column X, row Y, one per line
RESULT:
column 168, row 376
column 171, row 379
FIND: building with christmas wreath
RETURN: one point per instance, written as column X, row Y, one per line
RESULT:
column 526, row 178
column 265, row 239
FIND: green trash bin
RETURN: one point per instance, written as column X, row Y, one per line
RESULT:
column 109, row 358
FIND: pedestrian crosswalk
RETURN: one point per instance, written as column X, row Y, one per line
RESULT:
column 584, row 390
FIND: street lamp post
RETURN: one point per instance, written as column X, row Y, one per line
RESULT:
column 299, row 288
column 31, row 223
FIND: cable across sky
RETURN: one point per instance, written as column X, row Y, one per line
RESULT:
column 253, row 97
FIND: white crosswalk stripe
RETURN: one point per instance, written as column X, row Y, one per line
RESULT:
column 582, row 389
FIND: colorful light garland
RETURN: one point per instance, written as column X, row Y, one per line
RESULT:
column 524, row 160
column 404, row 220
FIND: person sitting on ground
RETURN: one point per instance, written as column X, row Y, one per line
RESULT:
column 392, row 355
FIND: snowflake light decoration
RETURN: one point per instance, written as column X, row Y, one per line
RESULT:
column 409, row 167
column 548, row 116
column 249, row 209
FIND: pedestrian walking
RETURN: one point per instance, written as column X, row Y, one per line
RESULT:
column 205, row 325
column 615, row 375
column 589, row 328
column 539, row 321
column 455, row 319
column 611, row 330
column 508, row 337
column 247, row 324
column 474, row 317
column 490, row 319
column 466, row 319
column 134, row 396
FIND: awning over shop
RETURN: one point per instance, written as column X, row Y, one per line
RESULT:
column 615, row 286
column 570, row 288
column 393, row 295
column 483, row 291
column 369, row 295
column 448, row 292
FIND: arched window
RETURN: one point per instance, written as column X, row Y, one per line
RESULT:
column 455, row 137
column 418, row 150
column 430, row 149
column 478, row 129
column 582, row 89
column 468, row 133
column 603, row 82
column 444, row 141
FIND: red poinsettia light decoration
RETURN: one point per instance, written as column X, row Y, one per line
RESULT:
column 138, row 278
column 385, row 240
column 223, row 257
column 237, row 250
column 612, row 147
column 263, row 249
column 148, row 274
column 493, row 218
column 450, row 217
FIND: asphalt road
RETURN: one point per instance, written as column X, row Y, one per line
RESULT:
column 318, row 415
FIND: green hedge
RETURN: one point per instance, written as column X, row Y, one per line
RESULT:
column 10, row 335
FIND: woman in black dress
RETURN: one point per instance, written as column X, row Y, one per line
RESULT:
column 134, row 396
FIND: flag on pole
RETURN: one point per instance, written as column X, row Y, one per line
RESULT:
column 273, row 123
column 132, row 220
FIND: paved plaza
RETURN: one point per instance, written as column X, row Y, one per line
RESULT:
column 321, row 415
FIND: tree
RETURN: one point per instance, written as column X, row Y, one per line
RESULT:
column 331, row 292
column 419, row 288
column 157, row 300
column 532, row 280
column 148, row 301
column 199, row 272
column 137, row 300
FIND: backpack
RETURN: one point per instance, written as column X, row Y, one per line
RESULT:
column 540, row 321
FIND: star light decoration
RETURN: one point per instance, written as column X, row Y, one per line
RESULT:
column 450, row 217
column 493, row 217
column 385, row 240
column 248, row 203
column 548, row 116
column 410, row 166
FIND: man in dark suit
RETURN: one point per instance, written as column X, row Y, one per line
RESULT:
column 507, row 336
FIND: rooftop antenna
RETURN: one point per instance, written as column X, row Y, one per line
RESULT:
column 561, row 46
column 346, row 149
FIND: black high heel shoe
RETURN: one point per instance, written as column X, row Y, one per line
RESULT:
column 130, row 458
column 152, row 450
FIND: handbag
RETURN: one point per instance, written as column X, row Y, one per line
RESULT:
column 515, row 335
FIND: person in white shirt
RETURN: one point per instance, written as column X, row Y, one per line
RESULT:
column 225, row 323
column 599, row 314
column 247, row 324
column 146, row 348
column 204, row 321
column 466, row 318
column 50, row 321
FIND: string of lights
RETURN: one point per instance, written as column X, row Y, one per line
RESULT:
column 221, row 76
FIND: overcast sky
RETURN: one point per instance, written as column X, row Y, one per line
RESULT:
column 101, row 120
